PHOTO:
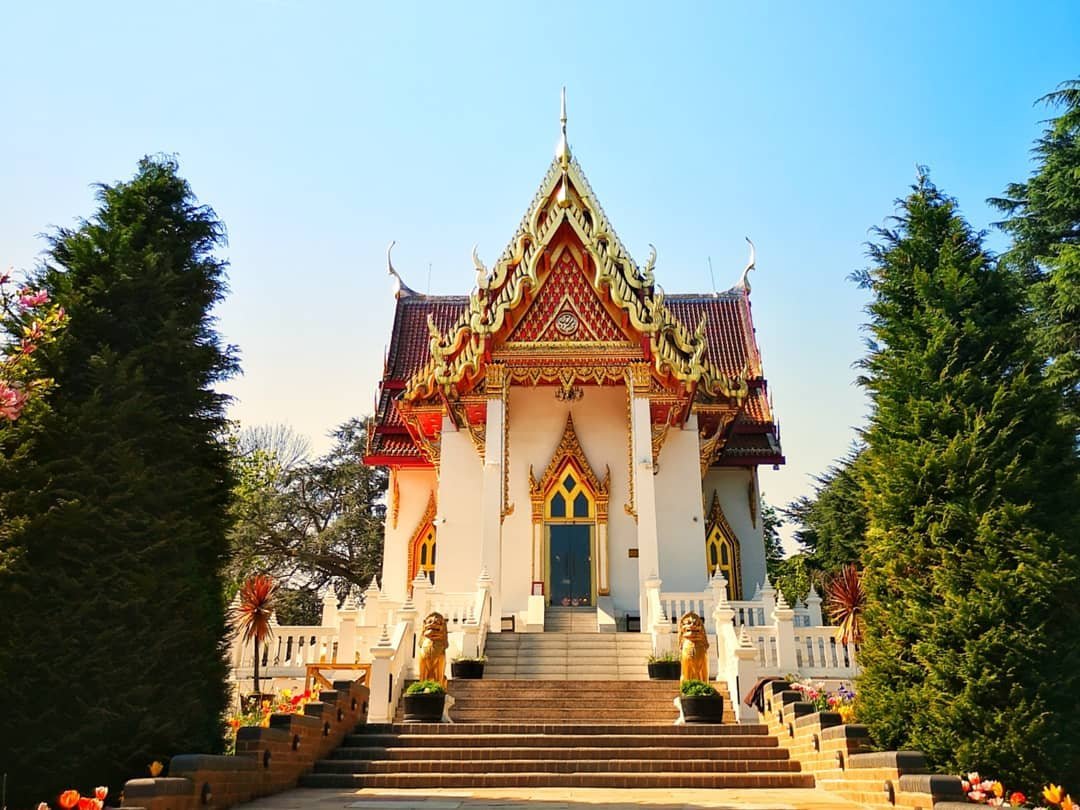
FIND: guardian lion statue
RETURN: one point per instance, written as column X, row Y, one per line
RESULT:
column 433, row 643
column 693, row 648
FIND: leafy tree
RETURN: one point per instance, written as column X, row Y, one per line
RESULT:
column 114, row 501
column 313, row 524
column 971, row 559
column 770, row 530
column 1043, row 217
column 792, row 576
column 831, row 523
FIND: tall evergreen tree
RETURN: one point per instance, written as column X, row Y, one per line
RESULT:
column 1044, row 221
column 114, row 501
column 831, row 523
column 972, row 564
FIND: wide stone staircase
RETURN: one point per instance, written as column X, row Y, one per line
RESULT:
column 576, row 656
column 562, row 733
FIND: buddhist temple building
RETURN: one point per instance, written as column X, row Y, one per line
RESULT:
column 569, row 429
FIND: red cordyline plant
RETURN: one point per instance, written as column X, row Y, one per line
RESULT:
column 252, row 614
column 845, row 600
column 28, row 321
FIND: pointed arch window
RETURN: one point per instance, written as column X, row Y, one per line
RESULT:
column 722, row 549
column 423, row 546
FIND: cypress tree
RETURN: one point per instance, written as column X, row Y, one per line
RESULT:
column 1044, row 221
column 971, row 562
column 114, row 499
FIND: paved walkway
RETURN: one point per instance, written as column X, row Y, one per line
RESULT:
column 552, row 799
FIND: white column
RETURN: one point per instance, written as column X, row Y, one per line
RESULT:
column 783, row 618
column 644, row 493
column 491, row 502
column 813, row 606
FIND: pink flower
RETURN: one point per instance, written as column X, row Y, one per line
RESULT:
column 28, row 299
column 12, row 402
column 101, row 792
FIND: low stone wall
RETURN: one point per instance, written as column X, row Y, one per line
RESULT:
column 840, row 757
column 267, row 760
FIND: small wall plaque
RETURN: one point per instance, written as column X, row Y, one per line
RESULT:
column 633, row 552
column 538, row 588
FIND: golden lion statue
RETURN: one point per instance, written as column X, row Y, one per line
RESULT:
column 693, row 648
column 433, row 643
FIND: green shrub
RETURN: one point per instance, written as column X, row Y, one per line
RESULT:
column 425, row 688
column 697, row 689
column 663, row 658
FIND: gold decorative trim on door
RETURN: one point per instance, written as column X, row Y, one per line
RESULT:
column 722, row 549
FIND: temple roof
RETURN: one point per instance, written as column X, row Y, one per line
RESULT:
column 731, row 347
column 566, row 303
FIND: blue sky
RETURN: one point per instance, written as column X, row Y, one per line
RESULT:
column 321, row 131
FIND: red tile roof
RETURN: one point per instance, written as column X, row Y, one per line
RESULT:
column 731, row 348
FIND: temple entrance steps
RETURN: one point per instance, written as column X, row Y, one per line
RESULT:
column 559, row 734
column 569, row 619
column 568, row 656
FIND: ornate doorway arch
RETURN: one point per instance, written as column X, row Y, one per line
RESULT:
column 722, row 549
column 422, row 545
column 570, row 516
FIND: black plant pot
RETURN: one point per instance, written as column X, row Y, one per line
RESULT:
column 424, row 708
column 467, row 670
column 665, row 670
column 703, row 709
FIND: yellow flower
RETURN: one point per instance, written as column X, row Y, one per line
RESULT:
column 1052, row 793
column 156, row 768
column 998, row 788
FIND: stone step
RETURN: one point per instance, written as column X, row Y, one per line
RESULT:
column 450, row 779
column 687, row 751
column 555, row 735
column 569, row 765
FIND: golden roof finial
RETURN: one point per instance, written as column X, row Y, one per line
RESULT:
column 562, row 151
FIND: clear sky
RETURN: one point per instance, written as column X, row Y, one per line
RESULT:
column 321, row 131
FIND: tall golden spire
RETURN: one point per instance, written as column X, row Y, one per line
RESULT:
column 562, row 151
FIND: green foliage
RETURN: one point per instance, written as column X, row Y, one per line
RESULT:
column 831, row 523
column 114, row 502
column 971, row 558
column 792, row 577
column 298, row 606
column 425, row 688
column 663, row 658
column 1043, row 217
column 314, row 523
column 770, row 532
column 697, row 689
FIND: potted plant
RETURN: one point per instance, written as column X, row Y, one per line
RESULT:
column 664, row 667
column 701, row 703
column 424, row 701
column 468, row 668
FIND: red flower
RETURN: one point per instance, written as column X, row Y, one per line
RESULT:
column 101, row 792
column 69, row 798
column 86, row 803
column 1016, row 798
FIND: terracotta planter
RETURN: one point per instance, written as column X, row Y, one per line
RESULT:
column 424, row 708
column 665, row 670
column 467, row 670
column 702, row 709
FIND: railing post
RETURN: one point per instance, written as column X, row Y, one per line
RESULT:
column 407, row 613
column 655, row 619
column 329, row 609
column 767, row 596
column 421, row 588
column 783, row 618
column 372, row 617
column 748, row 671
column 813, row 607
column 346, row 651
column 382, row 655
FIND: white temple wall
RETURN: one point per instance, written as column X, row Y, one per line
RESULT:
column 457, row 522
column 680, row 521
column 537, row 421
column 414, row 490
column 733, row 486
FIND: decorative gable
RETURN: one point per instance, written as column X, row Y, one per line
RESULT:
column 567, row 309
